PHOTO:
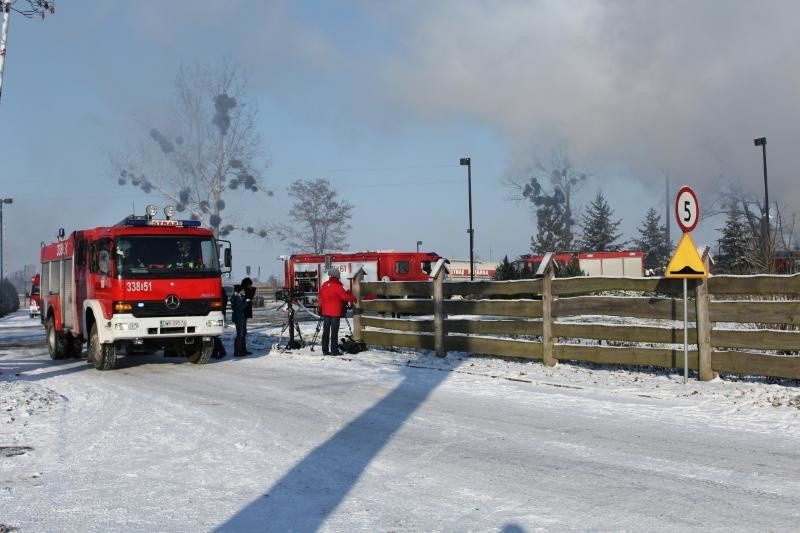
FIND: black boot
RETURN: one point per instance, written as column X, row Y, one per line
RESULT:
column 238, row 348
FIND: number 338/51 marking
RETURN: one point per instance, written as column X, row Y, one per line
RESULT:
column 138, row 286
column 687, row 210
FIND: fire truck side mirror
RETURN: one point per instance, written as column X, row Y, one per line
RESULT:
column 228, row 258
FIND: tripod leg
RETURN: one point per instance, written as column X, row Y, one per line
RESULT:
column 280, row 336
column 316, row 333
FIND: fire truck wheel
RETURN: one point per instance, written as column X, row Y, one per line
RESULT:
column 102, row 356
column 56, row 342
column 200, row 352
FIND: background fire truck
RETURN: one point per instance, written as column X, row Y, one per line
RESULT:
column 459, row 269
column 34, row 297
column 304, row 274
column 629, row 263
column 136, row 287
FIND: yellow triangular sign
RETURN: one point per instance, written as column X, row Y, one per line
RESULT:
column 686, row 262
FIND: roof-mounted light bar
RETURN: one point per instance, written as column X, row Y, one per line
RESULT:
column 168, row 223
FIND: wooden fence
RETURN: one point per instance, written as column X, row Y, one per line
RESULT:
column 576, row 319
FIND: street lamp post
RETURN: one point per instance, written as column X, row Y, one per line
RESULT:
column 466, row 161
column 419, row 243
column 2, row 259
column 762, row 142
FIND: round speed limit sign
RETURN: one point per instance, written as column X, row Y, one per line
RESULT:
column 687, row 210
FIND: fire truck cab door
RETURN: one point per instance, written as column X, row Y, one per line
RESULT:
column 80, row 279
column 100, row 277
column 224, row 247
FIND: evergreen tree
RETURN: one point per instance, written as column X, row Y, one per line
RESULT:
column 551, row 233
column 505, row 270
column 526, row 272
column 653, row 243
column 9, row 299
column 599, row 232
column 570, row 269
column 736, row 248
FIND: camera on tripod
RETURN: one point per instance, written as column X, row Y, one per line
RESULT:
column 289, row 295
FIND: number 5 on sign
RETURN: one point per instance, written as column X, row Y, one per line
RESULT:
column 687, row 210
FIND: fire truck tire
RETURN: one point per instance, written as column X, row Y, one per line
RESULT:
column 102, row 356
column 56, row 342
column 200, row 353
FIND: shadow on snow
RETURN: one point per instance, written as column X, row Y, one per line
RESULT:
column 311, row 491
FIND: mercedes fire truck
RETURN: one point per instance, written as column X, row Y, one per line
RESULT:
column 140, row 286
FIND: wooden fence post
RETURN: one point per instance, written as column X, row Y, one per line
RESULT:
column 438, row 274
column 703, row 321
column 546, row 268
column 358, row 327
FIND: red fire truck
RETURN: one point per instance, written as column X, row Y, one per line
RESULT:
column 625, row 263
column 136, row 287
column 34, row 297
column 304, row 274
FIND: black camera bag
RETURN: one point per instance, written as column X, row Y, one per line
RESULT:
column 350, row 345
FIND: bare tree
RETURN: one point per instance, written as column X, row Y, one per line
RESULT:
column 206, row 147
column 550, row 188
column 320, row 221
column 31, row 8
column 779, row 237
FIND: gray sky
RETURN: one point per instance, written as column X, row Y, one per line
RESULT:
column 383, row 99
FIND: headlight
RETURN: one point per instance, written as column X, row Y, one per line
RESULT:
column 122, row 307
column 214, row 323
column 126, row 326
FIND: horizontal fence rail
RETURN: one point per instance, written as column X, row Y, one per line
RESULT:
column 604, row 320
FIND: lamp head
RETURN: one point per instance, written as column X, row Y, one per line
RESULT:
column 465, row 161
column 8, row 200
column 761, row 141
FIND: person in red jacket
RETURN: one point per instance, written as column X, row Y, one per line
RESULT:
column 332, row 298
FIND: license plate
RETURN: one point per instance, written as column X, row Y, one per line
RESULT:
column 173, row 323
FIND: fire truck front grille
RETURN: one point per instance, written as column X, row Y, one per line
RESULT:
column 159, row 308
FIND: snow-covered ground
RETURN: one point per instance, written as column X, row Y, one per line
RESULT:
column 386, row 441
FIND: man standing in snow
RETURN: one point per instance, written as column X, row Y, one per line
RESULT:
column 248, row 293
column 239, row 320
column 332, row 298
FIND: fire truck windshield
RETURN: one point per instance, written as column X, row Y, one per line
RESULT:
column 159, row 256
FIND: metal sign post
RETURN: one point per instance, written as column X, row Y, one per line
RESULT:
column 686, row 262
column 685, row 332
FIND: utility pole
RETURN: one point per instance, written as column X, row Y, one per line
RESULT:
column 667, row 202
column 466, row 161
column 765, row 230
column 35, row 8
column 6, row 7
